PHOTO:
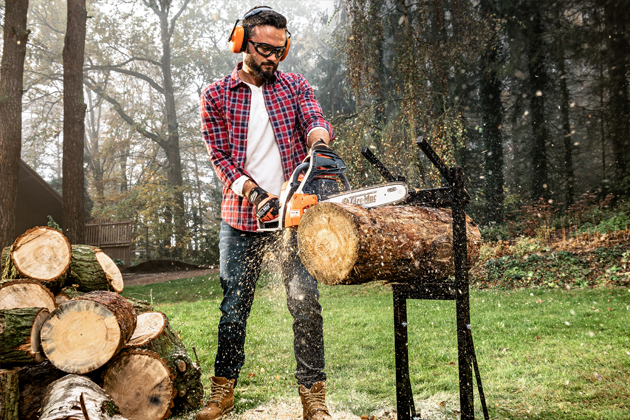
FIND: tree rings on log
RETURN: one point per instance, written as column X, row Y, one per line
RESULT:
column 34, row 379
column 19, row 334
column 140, row 382
column 25, row 293
column 348, row 244
column 42, row 254
column 85, row 333
column 77, row 397
column 92, row 269
column 154, row 333
column 9, row 394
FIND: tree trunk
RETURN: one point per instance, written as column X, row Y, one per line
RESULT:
column 492, row 117
column 11, row 86
column 74, row 123
column 85, row 333
column 92, row 269
column 9, row 394
column 347, row 244
column 34, row 380
column 19, row 334
column 537, row 82
column 140, row 382
column 154, row 333
column 42, row 254
column 569, row 177
column 616, row 15
column 77, row 397
column 25, row 293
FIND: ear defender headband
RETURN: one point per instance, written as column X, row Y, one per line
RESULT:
column 239, row 35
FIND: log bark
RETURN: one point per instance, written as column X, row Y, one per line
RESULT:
column 34, row 379
column 9, row 394
column 42, row 254
column 141, row 384
column 66, row 398
column 140, row 306
column 25, row 293
column 92, row 269
column 85, row 333
column 19, row 334
column 347, row 244
column 154, row 333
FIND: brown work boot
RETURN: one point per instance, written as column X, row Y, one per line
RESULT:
column 313, row 402
column 221, row 399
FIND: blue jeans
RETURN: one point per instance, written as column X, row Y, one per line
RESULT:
column 241, row 255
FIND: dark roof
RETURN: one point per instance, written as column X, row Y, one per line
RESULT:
column 36, row 200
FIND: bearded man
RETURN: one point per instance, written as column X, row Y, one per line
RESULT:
column 258, row 124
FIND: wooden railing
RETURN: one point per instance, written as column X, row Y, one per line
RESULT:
column 114, row 238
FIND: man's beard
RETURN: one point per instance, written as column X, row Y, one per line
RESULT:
column 266, row 75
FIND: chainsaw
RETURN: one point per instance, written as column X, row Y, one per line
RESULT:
column 316, row 180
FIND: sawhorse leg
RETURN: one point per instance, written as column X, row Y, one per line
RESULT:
column 404, row 396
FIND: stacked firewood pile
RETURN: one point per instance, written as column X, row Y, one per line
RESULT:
column 72, row 347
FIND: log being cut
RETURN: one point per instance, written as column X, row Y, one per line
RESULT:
column 77, row 397
column 19, row 334
column 348, row 244
column 141, row 383
column 9, row 394
column 83, row 334
column 25, row 293
column 92, row 269
column 42, row 254
column 154, row 333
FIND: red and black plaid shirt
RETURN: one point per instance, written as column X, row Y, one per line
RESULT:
column 293, row 111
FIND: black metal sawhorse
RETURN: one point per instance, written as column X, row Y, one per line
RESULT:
column 455, row 197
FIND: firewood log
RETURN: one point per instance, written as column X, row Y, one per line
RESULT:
column 25, row 293
column 9, row 394
column 19, row 334
column 92, row 269
column 66, row 294
column 77, row 397
column 34, row 379
column 348, row 244
column 83, row 334
column 42, row 254
column 154, row 333
column 140, row 306
column 141, row 384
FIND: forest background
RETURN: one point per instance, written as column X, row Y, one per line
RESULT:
column 529, row 97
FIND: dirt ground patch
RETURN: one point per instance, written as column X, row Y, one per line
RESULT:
column 139, row 279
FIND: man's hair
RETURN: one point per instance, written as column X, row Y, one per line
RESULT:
column 266, row 17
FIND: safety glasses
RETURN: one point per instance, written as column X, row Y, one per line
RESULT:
column 266, row 50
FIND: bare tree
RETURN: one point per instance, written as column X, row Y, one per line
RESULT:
column 11, row 85
column 74, row 123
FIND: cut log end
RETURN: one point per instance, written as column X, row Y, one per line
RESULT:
column 149, row 325
column 140, row 384
column 42, row 253
column 329, row 238
column 80, row 336
column 112, row 272
column 25, row 293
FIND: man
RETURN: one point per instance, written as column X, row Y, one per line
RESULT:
column 259, row 124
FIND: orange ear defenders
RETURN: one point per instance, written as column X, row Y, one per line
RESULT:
column 239, row 35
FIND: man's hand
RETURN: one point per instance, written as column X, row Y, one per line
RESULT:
column 267, row 205
column 320, row 145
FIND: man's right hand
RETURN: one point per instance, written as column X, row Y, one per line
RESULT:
column 267, row 205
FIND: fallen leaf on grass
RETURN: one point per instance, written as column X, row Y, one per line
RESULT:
column 598, row 376
column 251, row 375
column 537, row 337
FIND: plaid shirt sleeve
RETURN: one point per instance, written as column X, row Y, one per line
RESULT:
column 310, row 114
column 215, row 134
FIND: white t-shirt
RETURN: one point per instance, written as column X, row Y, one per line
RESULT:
column 262, row 160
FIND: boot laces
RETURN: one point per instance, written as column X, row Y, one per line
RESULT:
column 316, row 401
column 218, row 392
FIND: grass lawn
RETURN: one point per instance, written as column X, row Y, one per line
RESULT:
column 543, row 354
